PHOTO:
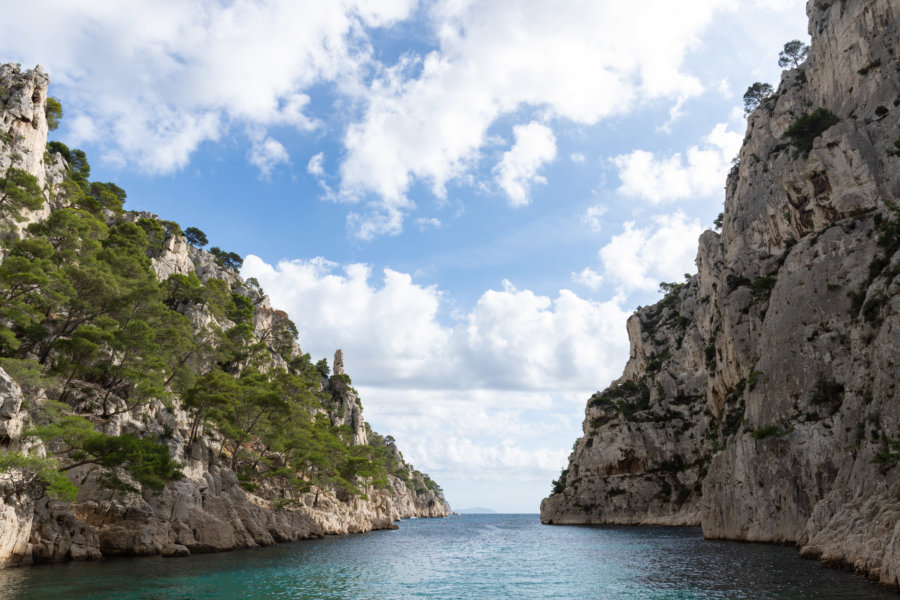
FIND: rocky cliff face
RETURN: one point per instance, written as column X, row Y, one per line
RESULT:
column 761, row 399
column 208, row 509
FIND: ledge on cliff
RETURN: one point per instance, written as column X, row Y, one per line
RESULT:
column 175, row 399
column 761, row 397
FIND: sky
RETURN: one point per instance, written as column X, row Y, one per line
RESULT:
column 468, row 197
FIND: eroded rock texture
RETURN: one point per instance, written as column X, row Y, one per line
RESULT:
column 207, row 510
column 761, row 396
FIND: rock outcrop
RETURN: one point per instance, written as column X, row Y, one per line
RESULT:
column 761, row 399
column 208, row 509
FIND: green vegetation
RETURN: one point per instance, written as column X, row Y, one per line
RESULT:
column 890, row 456
column 872, row 65
column 767, row 431
column 827, row 391
column 808, row 127
column 84, row 317
column 560, row 484
column 761, row 288
column 54, row 112
column 228, row 260
column 41, row 471
column 195, row 237
column 757, row 94
column 626, row 399
column 19, row 191
column 794, row 53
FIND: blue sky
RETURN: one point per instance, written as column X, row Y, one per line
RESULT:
column 468, row 197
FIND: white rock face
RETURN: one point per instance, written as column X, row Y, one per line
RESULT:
column 207, row 510
column 338, row 362
column 758, row 394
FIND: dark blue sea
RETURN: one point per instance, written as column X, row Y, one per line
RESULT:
column 465, row 557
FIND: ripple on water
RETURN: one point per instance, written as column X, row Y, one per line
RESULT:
column 470, row 556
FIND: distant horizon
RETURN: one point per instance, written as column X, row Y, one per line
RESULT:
column 468, row 199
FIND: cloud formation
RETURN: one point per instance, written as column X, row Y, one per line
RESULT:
column 427, row 118
column 494, row 393
column 700, row 172
column 663, row 250
column 153, row 79
column 510, row 339
column 515, row 173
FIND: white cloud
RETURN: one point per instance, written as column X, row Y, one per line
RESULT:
column 494, row 395
column 589, row 278
column 517, row 170
column 577, row 157
column 662, row 179
column 593, row 216
column 314, row 166
column 425, row 224
column 159, row 77
column 640, row 257
column 428, row 120
column 510, row 339
column 267, row 153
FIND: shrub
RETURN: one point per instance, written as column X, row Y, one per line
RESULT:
column 872, row 65
column 888, row 458
column 761, row 288
column 560, row 484
column 827, row 391
column 718, row 222
column 762, row 433
column 54, row 112
column 809, row 126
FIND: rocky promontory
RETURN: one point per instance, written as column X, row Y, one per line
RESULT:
column 760, row 399
column 151, row 400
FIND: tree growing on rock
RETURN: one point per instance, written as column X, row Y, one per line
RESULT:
column 756, row 94
column 794, row 53
column 54, row 112
column 195, row 237
column 19, row 190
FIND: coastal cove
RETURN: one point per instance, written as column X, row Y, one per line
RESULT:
column 467, row 556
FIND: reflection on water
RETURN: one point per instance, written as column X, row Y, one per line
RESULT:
column 469, row 556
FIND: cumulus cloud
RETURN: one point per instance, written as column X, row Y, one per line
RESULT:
column 577, row 157
column 495, row 392
column 266, row 153
column 510, row 338
column 588, row 278
column 701, row 172
column 426, row 223
column 517, row 170
column 427, row 118
column 593, row 216
column 314, row 166
column 159, row 77
column 640, row 257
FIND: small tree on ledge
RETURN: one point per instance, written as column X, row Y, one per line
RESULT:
column 755, row 95
column 794, row 53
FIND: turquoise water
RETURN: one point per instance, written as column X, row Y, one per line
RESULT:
column 470, row 556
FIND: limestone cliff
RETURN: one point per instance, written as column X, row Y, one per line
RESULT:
column 210, row 508
column 760, row 399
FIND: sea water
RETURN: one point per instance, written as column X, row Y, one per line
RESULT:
column 468, row 556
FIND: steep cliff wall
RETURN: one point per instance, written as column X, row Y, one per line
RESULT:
column 760, row 399
column 210, row 508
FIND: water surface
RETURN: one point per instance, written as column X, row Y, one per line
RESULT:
column 468, row 556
